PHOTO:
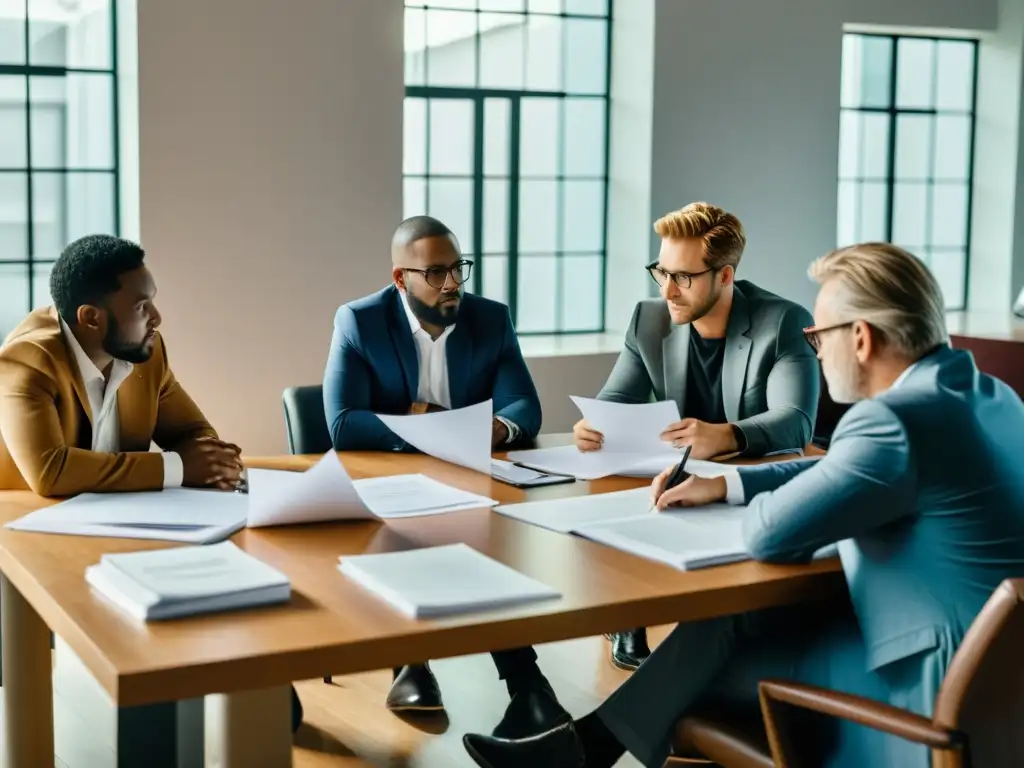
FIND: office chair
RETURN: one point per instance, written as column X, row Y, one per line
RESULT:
column 306, row 425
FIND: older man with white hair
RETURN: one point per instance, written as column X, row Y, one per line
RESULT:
column 922, row 489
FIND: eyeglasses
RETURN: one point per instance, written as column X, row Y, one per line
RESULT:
column 813, row 333
column 681, row 279
column 436, row 277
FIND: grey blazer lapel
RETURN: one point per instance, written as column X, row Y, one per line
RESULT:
column 675, row 355
column 737, row 354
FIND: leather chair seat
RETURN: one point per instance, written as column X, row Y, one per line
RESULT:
column 724, row 741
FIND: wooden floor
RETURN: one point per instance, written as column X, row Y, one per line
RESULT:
column 347, row 725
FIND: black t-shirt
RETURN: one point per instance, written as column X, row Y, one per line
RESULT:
column 704, row 379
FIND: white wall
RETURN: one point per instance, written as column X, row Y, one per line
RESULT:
column 270, row 156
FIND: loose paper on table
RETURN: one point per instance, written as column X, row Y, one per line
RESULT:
column 461, row 436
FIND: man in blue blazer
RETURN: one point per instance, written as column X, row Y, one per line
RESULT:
column 922, row 489
column 421, row 345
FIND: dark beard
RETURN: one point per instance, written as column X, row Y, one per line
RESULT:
column 436, row 315
column 119, row 349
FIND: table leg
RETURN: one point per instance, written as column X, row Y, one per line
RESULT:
column 249, row 729
column 28, row 684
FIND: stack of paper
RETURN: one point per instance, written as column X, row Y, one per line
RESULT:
column 174, row 514
column 169, row 583
column 696, row 537
column 439, row 581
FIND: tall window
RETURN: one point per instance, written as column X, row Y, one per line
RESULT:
column 58, row 139
column 906, row 148
column 506, row 119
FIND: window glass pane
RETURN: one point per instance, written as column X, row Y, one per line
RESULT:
column 589, row 7
column 12, row 120
column 66, row 206
column 538, row 216
column 451, row 136
column 846, row 224
column 538, row 142
column 849, row 144
column 544, row 6
column 13, row 296
column 913, row 146
column 496, row 215
column 583, row 139
column 70, row 34
column 950, row 269
column 867, row 70
column 12, row 32
column 13, row 216
column 415, row 45
column 495, row 277
column 949, row 214
column 873, row 209
column 451, row 201
column 41, row 285
column 875, row 157
column 502, row 43
column 952, row 146
column 536, row 294
column 910, row 214
column 586, row 55
column 915, row 62
column 451, row 48
column 956, row 75
column 414, row 197
column 497, row 114
column 502, row 5
column 580, row 285
column 582, row 215
column 72, row 121
column 414, row 131
column 544, row 53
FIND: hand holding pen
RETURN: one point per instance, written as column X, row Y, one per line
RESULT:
column 677, row 487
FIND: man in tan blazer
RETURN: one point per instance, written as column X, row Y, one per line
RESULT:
column 86, row 387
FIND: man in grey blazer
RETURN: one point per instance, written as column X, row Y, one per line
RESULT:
column 731, row 355
column 922, row 489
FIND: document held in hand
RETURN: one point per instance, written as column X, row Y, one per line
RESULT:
column 461, row 436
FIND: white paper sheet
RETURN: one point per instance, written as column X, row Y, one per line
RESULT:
column 414, row 495
column 439, row 581
column 568, row 460
column 655, row 465
column 461, row 436
column 173, row 514
column 630, row 428
column 321, row 493
column 566, row 515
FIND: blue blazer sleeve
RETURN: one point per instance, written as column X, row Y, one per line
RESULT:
column 347, row 382
column 514, row 395
column 864, row 482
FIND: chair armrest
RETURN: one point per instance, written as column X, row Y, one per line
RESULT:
column 868, row 712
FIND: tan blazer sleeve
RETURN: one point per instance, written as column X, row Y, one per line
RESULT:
column 179, row 420
column 32, row 433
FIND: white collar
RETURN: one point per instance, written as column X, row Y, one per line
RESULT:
column 86, row 366
column 902, row 377
column 414, row 322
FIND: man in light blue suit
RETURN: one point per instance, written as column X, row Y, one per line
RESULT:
column 421, row 345
column 922, row 489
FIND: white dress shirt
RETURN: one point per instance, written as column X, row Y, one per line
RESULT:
column 102, row 393
column 433, row 365
column 734, row 493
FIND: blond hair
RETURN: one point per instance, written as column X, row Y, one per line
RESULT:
column 721, row 232
column 891, row 290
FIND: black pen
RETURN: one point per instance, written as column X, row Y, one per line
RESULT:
column 679, row 474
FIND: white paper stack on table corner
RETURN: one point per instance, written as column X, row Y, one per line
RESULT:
column 444, row 580
column 461, row 436
column 632, row 443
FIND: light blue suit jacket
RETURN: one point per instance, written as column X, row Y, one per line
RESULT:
column 923, row 488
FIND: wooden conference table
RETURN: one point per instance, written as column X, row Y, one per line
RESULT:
column 243, row 662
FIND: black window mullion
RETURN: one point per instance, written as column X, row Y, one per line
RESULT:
column 513, row 211
column 478, row 194
column 29, row 201
column 890, row 189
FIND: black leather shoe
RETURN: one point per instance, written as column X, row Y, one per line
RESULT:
column 296, row 710
column 415, row 689
column 629, row 649
column 534, row 709
column 558, row 748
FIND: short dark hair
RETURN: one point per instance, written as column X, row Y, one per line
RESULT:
column 419, row 228
column 89, row 270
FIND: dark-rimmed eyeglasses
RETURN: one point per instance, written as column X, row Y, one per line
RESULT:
column 813, row 333
column 681, row 279
column 436, row 277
